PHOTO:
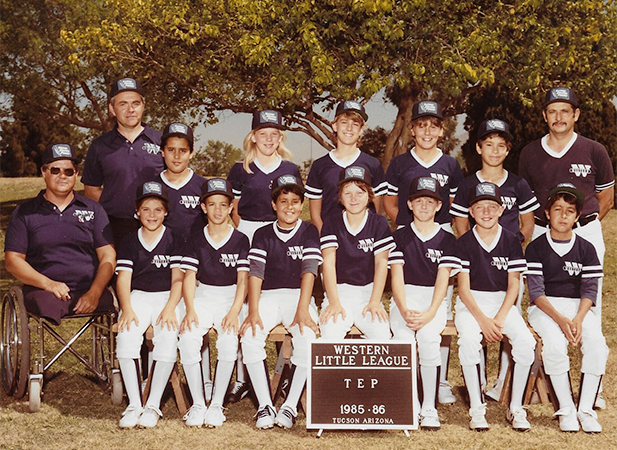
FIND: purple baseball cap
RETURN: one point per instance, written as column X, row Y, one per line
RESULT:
column 267, row 119
column 351, row 106
column 125, row 84
column 354, row 173
column 494, row 126
column 484, row 191
column 54, row 152
column 561, row 94
column 215, row 186
column 424, row 187
column 427, row 108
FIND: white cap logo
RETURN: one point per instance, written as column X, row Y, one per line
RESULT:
column 560, row 93
column 495, row 125
column 217, row 185
column 568, row 185
column 268, row 116
column 152, row 188
column 428, row 184
column 178, row 128
column 486, row 189
column 286, row 179
column 350, row 104
column 127, row 83
column 354, row 172
column 428, row 107
column 61, row 151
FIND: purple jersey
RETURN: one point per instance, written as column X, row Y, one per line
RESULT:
column 584, row 163
column 60, row 245
column 324, row 176
column 120, row 166
column 562, row 269
column 185, row 216
column 407, row 166
column 488, row 266
column 356, row 249
column 253, row 190
column 422, row 256
column 281, row 257
column 516, row 196
column 217, row 263
column 150, row 264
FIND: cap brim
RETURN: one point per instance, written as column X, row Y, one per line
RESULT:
column 485, row 197
column 362, row 180
column 210, row 194
column 424, row 194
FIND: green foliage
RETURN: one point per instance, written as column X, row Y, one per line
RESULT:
column 215, row 159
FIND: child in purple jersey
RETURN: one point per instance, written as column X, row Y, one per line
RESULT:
column 355, row 247
column 493, row 146
column 563, row 277
column 149, row 287
column 284, row 258
column 321, row 186
column 491, row 262
column 420, row 266
column 216, row 258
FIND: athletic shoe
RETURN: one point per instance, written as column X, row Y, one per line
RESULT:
column 150, row 417
column 265, row 417
column 477, row 419
column 518, row 419
column 130, row 416
column 600, row 402
column 208, row 388
column 445, row 395
column 286, row 417
column 589, row 421
column 195, row 416
column 214, row 416
column 429, row 420
column 495, row 392
column 567, row 419
column 238, row 392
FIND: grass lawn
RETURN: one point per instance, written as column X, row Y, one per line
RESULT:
column 77, row 414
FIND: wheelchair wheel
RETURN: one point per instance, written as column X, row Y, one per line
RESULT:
column 14, row 343
column 34, row 393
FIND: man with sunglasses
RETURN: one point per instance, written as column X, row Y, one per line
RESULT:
column 60, row 245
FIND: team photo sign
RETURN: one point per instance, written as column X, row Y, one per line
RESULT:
column 355, row 384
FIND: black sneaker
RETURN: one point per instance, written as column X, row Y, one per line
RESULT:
column 238, row 392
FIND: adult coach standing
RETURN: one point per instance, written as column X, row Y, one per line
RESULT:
column 59, row 244
column 563, row 156
column 123, row 158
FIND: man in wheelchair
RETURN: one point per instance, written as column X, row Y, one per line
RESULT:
column 60, row 245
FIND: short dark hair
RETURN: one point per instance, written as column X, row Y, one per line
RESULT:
column 139, row 202
column 286, row 190
column 432, row 119
column 568, row 198
column 501, row 135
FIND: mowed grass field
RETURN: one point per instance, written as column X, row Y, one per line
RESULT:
column 77, row 414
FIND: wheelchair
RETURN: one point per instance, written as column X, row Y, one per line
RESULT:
column 22, row 349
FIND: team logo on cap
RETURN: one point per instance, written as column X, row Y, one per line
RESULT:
column 350, row 104
column 268, row 116
column 152, row 187
column 495, row 125
column 178, row 128
column 428, row 107
column 217, row 185
column 127, row 83
column 354, row 172
column 427, row 184
column 61, row 151
column 485, row 189
column 286, row 179
column 560, row 94
column 568, row 185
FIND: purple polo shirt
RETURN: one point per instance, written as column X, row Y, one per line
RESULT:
column 60, row 245
column 120, row 166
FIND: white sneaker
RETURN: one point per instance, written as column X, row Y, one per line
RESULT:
column 518, row 419
column 495, row 392
column 214, row 416
column 130, row 416
column 150, row 417
column 445, row 395
column 265, row 417
column 208, row 388
column 429, row 420
column 600, row 402
column 194, row 417
column 286, row 417
column 589, row 421
column 477, row 419
column 567, row 419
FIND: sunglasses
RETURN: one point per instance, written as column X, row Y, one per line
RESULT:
column 57, row 170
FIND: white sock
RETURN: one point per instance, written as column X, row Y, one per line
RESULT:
column 429, row 386
column 194, row 379
column 224, row 369
column 588, row 391
column 472, row 382
column 128, row 368
column 205, row 363
column 445, row 358
column 295, row 389
column 519, row 384
column 563, row 391
column 259, row 380
column 240, row 372
column 160, row 373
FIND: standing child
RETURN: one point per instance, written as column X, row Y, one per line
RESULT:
column 563, row 277
column 427, row 160
column 284, row 259
column 217, row 257
column 149, row 287
column 355, row 246
column 266, row 158
column 493, row 146
column 321, row 186
column 491, row 262
column 420, row 268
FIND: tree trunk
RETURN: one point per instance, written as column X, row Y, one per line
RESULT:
column 400, row 136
